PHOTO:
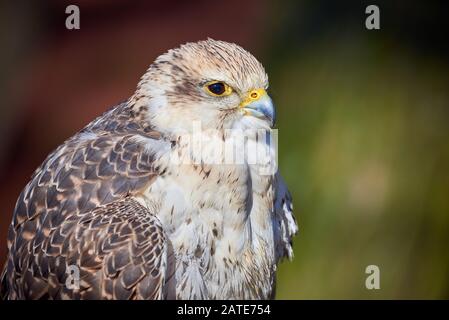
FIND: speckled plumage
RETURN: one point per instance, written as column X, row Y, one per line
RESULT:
column 110, row 200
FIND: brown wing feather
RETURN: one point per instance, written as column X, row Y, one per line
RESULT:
column 120, row 250
column 71, row 204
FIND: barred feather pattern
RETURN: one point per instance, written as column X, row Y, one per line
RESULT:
column 78, row 210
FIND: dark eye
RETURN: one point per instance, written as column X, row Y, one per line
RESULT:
column 217, row 88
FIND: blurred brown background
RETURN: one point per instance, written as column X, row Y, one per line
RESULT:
column 363, row 118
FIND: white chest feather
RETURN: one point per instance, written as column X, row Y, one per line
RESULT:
column 219, row 219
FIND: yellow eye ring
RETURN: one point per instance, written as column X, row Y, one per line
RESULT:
column 218, row 89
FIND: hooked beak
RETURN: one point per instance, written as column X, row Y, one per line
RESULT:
column 259, row 104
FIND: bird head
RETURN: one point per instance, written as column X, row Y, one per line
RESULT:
column 216, row 83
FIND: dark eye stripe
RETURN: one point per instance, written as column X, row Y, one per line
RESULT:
column 217, row 88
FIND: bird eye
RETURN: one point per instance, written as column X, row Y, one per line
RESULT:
column 218, row 89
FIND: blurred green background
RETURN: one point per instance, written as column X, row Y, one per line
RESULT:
column 363, row 125
column 363, row 118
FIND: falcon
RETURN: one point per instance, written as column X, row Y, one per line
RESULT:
column 128, row 208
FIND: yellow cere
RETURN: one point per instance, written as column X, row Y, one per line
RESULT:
column 252, row 96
